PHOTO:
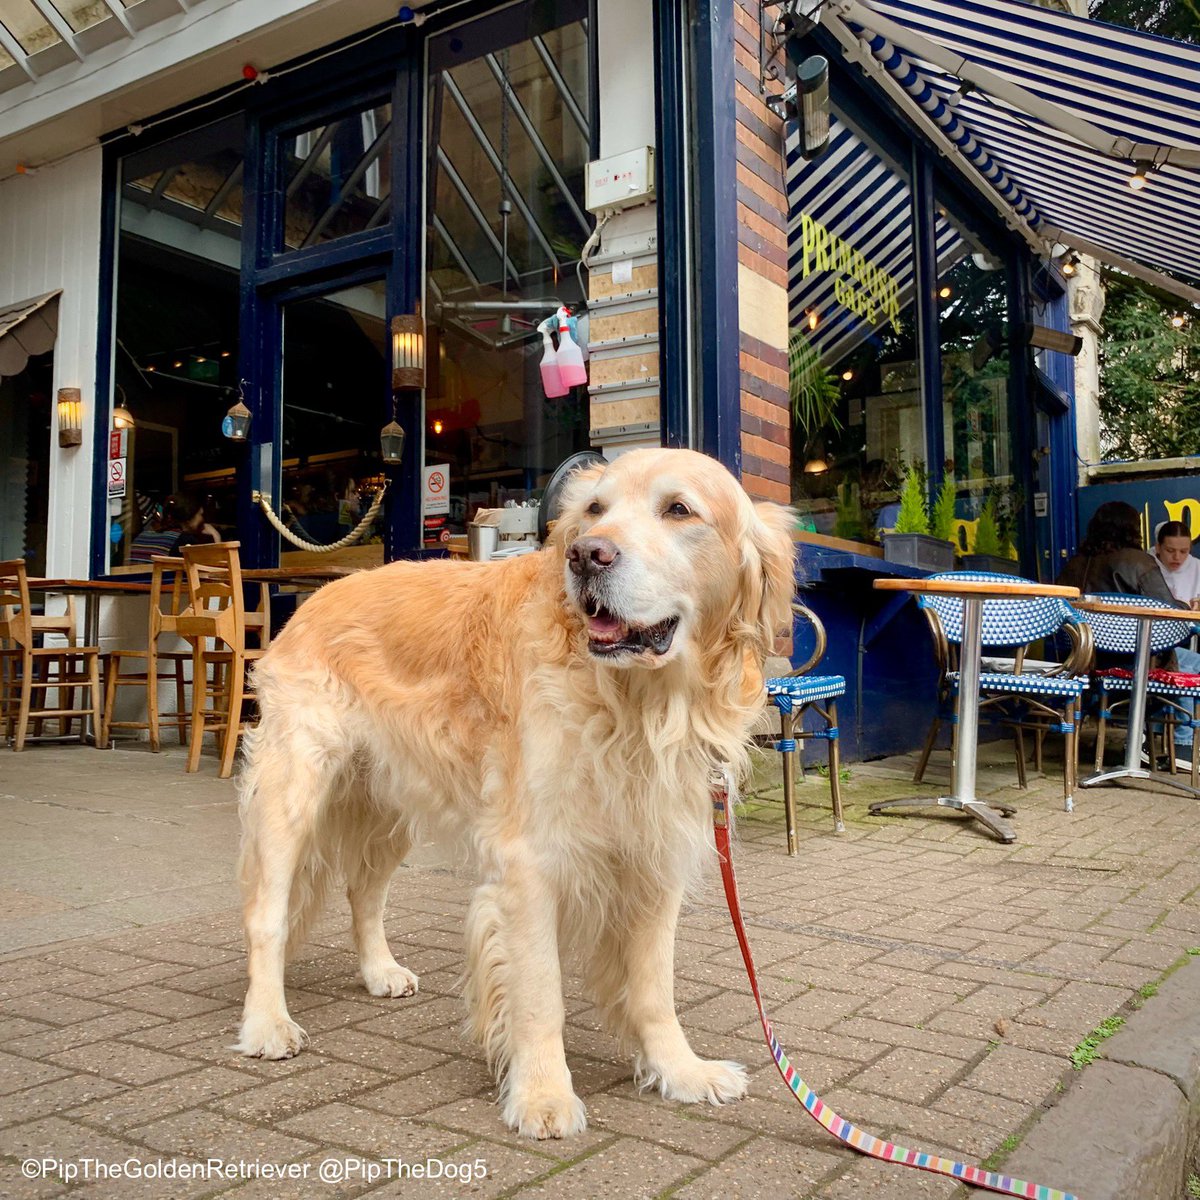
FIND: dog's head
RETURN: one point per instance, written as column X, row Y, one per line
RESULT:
column 665, row 553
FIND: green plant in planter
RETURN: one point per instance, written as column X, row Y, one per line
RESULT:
column 987, row 536
column 849, row 521
column 941, row 522
column 913, row 517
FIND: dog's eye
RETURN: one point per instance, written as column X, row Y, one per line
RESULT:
column 594, row 509
column 679, row 509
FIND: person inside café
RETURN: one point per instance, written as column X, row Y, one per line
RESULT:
column 179, row 521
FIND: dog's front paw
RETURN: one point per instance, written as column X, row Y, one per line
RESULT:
column 708, row 1080
column 545, row 1114
column 270, row 1037
column 391, row 981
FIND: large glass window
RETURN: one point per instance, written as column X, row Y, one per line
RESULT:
column 972, row 296
column 175, row 355
column 508, row 143
column 337, row 176
column 336, row 370
column 854, row 368
column 25, row 461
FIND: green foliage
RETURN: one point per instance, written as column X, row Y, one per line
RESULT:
column 1193, row 1187
column 849, row 521
column 1149, row 375
column 987, row 536
column 1086, row 1051
column 913, row 516
column 1178, row 19
column 941, row 522
column 812, row 388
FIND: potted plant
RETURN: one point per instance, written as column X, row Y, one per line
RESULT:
column 910, row 542
column 988, row 551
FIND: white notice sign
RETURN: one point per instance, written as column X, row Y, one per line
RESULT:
column 116, row 478
column 435, row 494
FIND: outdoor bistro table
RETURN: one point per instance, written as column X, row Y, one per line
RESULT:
column 972, row 593
column 1137, row 688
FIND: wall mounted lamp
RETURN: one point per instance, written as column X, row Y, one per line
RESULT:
column 408, row 351
column 70, row 417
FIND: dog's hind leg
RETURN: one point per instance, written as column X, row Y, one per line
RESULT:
column 282, row 798
column 369, row 868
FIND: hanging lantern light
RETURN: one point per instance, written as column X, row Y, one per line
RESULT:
column 236, row 423
column 391, row 439
column 408, row 351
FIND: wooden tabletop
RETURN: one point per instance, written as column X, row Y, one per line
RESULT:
column 1144, row 612
column 987, row 589
column 104, row 586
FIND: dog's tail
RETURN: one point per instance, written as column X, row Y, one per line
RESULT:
column 483, row 984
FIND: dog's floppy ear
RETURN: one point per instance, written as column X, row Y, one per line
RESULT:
column 768, row 574
column 575, row 496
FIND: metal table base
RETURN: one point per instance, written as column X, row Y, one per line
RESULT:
column 990, row 814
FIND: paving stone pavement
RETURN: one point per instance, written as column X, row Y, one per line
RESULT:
column 928, row 981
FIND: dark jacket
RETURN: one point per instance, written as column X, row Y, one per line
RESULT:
column 1130, row 572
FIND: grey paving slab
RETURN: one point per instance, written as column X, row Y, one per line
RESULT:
column 930, row 982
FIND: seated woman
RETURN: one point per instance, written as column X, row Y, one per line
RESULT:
column 1111, row 558
column 1173, row 549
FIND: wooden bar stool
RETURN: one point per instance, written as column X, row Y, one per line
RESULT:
column 216, row 614
column 146, row 671
column 29, row 668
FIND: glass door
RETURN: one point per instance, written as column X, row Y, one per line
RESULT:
column 335, row 381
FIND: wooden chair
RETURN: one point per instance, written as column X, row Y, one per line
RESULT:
column 146, row 673
column 793, row 695
column 29, row 668
column 216, row 614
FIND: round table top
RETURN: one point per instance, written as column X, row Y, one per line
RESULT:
column 987, row 589
column 1144, row 612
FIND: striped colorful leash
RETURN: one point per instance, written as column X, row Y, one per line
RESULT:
column 843, row 1130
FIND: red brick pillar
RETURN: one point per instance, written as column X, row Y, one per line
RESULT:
column 762, row 273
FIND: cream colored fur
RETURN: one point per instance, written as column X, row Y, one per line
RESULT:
column 461, row 700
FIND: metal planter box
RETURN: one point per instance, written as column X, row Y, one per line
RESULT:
column 990, row 562
column 919, row 550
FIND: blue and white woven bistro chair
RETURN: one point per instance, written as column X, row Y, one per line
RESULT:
column 1172, row 705
column 793, row 695
column 1022, row 693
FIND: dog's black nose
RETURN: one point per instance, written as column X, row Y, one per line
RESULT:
column 591, row 555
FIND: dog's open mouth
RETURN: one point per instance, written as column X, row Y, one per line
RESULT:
column 608, row 634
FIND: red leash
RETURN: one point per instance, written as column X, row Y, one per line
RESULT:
column 843, row 1130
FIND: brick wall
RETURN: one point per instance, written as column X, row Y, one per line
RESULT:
column 762, row 273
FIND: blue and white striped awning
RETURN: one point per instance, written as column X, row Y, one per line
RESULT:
column 854, row 195
column 1064, row 107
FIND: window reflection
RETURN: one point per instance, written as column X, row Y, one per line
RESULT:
column 507, row 131
column 337, row 177
column 175, row 355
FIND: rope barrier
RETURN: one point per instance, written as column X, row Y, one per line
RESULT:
column 264, row 502
column 839, row 1127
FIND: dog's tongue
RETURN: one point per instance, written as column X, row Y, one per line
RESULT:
column 605, row 627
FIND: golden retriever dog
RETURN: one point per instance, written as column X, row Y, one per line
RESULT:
column 558, row 714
